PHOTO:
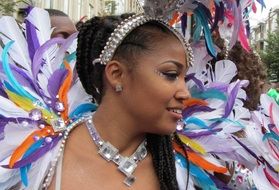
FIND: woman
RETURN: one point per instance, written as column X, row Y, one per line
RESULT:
column 140, row 93
column 136, row 77
column 134, row 68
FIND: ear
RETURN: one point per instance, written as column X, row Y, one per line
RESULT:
column 114, row 73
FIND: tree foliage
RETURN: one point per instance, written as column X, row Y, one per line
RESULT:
column 271, row 54
column 7, row 7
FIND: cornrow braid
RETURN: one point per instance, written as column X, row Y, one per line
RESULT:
column 91, row 40
column 161, row 150
column 184, row 148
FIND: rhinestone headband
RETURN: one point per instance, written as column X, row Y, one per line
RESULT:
column 127, row 26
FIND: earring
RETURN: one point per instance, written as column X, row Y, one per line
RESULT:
column 118, row 88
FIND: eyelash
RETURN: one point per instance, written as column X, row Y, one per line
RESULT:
column 171, row 76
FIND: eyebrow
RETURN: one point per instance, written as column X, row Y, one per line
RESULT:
column 178, row 64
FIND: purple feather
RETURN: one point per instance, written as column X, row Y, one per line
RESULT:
column 200, row 134
column 2, row 128
column 64, row 46
column 28, row 9
column 268, row 165
column 237, row 23
column 20, row 76
column 55, row 81
column 2, row 91
column 247, row 149
column 38, row 57
column 32, row 39
column 231, row 100
column 220, row 185
column 36, row 155
column 194, row 109
column 196, row 81
column 219, row 86
column 262, row 3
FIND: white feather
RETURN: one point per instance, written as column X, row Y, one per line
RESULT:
column 76, row 96
column 225, row 70
column 34, row 94
column 266, row 101
column 218, row 113
column 9, row 109
column 14, row 136
column 41, row 20
column 8, row 177
column 216, row 103
column 260, row 180
column 73, row 47
column 40, row 168
column 181, row 174
column 199, row 65
column 19, row 51
column 43, row 81
column 254, row 136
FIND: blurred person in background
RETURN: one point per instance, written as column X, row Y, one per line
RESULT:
column 62, row 24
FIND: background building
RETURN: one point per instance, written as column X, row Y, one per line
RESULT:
column 77, row 9
column 260, row 32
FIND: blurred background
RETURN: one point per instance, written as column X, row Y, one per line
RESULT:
column 264, row 27
column 76, row 9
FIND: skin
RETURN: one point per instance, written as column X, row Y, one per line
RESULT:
column 63, row 26
column 123, row 118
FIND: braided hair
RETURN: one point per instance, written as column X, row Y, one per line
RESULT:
column 91, row 40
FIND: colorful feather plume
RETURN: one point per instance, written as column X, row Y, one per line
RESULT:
column 30, row 101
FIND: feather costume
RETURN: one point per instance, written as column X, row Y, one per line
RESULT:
column 40, row 97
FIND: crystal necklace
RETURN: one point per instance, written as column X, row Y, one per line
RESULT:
column 126, row 165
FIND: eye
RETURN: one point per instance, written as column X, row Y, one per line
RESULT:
column 171, row 75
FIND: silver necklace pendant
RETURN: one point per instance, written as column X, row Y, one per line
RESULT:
column 126, row 165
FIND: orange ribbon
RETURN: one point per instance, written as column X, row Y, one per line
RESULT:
column 18, row 153
column 194, row 101
column 200, row 161
column 64, row 90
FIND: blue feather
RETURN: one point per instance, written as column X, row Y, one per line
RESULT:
column 200, row 177
column 210, row 93
column 262, row 3
column 237, row 123
column 217, row 2
column 83, row 108
column 271, row 135
column 197, row 29
column 71, row 57
column 17, row 87
column 24, row 170
column 196, row 121
column 9, row 87
column 206, row 31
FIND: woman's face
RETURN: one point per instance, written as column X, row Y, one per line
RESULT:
column 155, row 89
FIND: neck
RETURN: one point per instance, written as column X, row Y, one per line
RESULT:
column 117, row 128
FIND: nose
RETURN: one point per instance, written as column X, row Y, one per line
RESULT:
column 182, row 92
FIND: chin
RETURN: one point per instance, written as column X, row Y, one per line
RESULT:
column 165, row 129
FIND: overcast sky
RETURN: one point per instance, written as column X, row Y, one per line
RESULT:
column 261, row 15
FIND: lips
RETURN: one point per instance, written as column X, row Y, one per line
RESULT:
column 176, row 112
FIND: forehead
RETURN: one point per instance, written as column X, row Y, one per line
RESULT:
column 61, row 22
column 168, row 48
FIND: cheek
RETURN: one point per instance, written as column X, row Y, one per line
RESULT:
column 151, row 97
